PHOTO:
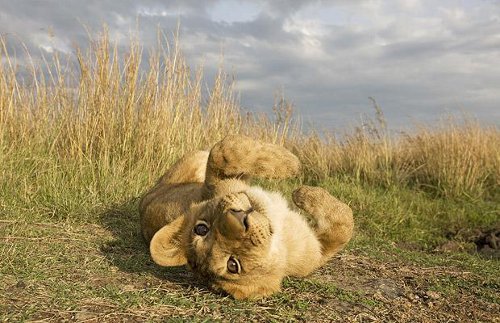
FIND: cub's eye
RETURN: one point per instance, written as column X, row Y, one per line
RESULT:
column 233, row 266
column 201, row 229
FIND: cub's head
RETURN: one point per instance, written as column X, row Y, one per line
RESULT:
column 228, row 241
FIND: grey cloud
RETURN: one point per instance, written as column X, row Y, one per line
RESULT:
column 410, row 77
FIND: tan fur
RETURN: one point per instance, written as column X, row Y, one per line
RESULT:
column 245, row 223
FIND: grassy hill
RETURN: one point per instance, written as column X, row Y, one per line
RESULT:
column 80, row 143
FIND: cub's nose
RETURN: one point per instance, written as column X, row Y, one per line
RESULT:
column 235, row 223
column 235, row 209
column 241, row 216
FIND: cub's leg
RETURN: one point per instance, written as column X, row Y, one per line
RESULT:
column 189, row 169
column 239, row 157
column 173, row 193
column 333, row 219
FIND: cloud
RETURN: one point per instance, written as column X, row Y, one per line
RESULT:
column 418, row 58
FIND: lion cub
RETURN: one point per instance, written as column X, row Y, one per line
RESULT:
column 239, row 238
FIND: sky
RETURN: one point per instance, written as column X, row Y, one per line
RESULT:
column 421, row 60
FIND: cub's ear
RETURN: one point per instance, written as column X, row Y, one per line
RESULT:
column 166, row 247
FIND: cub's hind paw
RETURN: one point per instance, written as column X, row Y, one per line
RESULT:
column 333, row 219
column 237, row 156
column 312, row 199
column 321, row 205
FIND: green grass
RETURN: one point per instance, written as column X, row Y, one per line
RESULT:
column 96, row 266
column 399, row 213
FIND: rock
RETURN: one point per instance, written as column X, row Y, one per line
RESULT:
column 456, row 246
column 386, row 288
column 490, row 239
column 433, row 295
column 128, row 288
column 21, row 284
column 83, row 316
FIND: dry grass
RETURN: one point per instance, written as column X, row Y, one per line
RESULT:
column 105, row 125
column 455, row 159
column 106, row 110
column 105, row 129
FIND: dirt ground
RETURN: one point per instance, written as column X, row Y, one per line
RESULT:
column 408, row 292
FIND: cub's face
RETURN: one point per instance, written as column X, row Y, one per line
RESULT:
column 227, row 241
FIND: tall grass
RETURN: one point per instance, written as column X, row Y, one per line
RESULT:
column 102, row 129
column 457, row 158
column 74, row 136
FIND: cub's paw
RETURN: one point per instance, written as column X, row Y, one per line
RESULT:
column 237, row 156
column 312, row 199
column 333, row 219
column 321, row 205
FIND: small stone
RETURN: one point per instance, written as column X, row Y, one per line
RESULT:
column 83, row 316
column 366, row 317
column 433, row 295
column 387, row 288
column 21, row 284
column 450, row 246
column 378, row 296
column 128, row 288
